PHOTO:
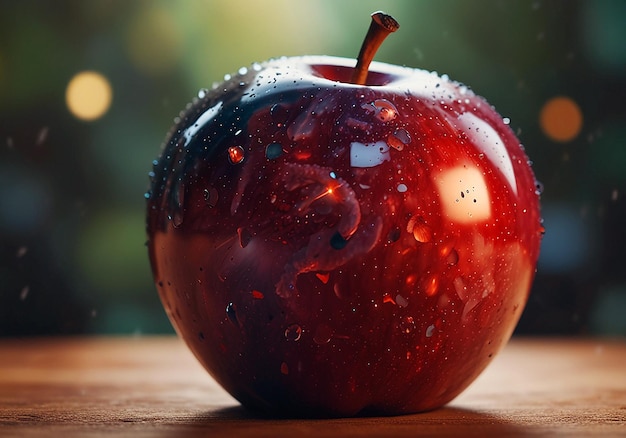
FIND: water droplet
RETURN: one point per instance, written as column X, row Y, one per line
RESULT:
column 236, row 154
column 202, row 92
column 177, row 218
column 293, row 332
column 452, row 258
column 210, row 196
column 538, row 188
column 201, row 336
column 242, row 71
column 382, row 109
column 337, row 241
column 407, row 324
column 284, row 368
column 232, row 313
column 401, row 301
column 244, row 236
column 394, row 235
column 402, row 188
column 257, row 295
column 257, row 67
column 147, row 195
column 273, row 151
column 429, row 330
column 227, row 77
column 323, row 334
column 506, row 120
column 421, row 231
column 399, row 139
column 431, row 285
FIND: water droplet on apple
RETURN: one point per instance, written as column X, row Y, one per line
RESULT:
column 394, row 235
column 244, row 236
column 538, row 188
column 452, row 258
column 232, row 314
column 402, row 188
column 293, row 332
column 407, row 324
column 337, row 241
column 401, row 301
column 177, row 218
column 323, row 334
column 202, row 92
column 211, row 196
column 178, row 208
column 236, row 154
column 273, row 151
column 430, row 330
column 420, row 230
column 382, row 109
column 242, row 71
column 399, row 139
column 431, row 285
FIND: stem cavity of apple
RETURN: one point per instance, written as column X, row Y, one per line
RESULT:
column 382, row 25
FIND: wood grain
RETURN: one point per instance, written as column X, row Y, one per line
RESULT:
column 153, row 387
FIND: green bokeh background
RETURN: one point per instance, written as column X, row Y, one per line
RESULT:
column 72, row 240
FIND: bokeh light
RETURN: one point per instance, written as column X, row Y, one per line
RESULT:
column 88, row 95
column 561, row 119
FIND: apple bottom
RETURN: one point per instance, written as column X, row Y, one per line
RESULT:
column 341, row 345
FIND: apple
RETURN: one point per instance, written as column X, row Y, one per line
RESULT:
column 332, row 240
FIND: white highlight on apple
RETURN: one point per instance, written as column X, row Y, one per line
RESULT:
column 464, row 194
column 368, row 154
column 488, row 140
column 206, row 117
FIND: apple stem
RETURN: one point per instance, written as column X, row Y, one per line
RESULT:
column 382, row 25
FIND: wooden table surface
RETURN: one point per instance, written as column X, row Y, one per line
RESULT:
column 153, row 387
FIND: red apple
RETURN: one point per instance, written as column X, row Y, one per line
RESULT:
column 330, row 249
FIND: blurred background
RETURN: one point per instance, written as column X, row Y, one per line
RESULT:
column 88, row 91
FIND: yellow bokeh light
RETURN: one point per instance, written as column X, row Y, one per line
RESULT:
column 88, row 95
column 561, row 119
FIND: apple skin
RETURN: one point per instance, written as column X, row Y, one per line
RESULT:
column 328, row 249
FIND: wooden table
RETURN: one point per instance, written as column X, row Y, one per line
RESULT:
column 153, row 387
